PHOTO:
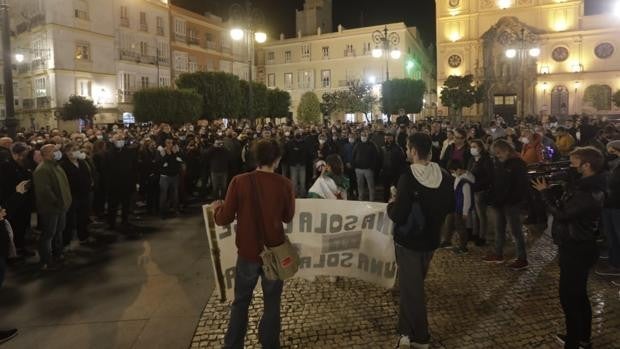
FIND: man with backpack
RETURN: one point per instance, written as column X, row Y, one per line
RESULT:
column 423, row 199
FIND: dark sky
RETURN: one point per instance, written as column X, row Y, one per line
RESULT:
column 280, row 14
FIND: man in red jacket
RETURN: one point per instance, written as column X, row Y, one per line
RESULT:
column 276, row 202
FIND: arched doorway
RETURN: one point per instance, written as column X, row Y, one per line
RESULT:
column 559, row 101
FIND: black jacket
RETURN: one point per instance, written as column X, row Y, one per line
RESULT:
column 393, row 159
column 218, row 159
column 482, row 171
column 365, row 156
column 120, row 170
column 11, row 174
column 435, row 205
column 80, row 179
column 511, row 183
column 613, row 188
column 296, row 152
column 577, row 214
column 170, row 164
column 447, row 156
column 438, row 139
column 4, row 242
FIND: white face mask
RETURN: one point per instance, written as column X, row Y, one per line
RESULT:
column 364, row 139
column 578, row 135
column 321, row 141
column 82, row 156
column 287, row 134
column 119, row 144
column 474, row 151
column 351, row 140
column 525, row 140
column 57, row 155
column 76, row 154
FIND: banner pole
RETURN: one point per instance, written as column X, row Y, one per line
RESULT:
column 215, row 253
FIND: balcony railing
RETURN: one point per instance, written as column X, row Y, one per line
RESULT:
column 144, row 27
column 23, row 68
column 28, row 103
column 347, row 83
column 39, row 63
column 44, row 102
column 180, row 37
column 126, row 96
column 160, row 31
column 125, row 22
column 192, row 40
column 349, row 53
column 212, row 45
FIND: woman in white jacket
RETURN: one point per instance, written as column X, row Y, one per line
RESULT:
column 332, row 184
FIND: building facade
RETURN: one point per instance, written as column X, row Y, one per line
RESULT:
column 315, row 14
column 198, row 43
column 326, row 62
column 535, row 57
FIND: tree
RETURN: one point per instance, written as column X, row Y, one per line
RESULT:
column 260, row 104
column 279, row 102
column 167, row 105
column 221, row 93
column 79, row 108
column 358, row 98
column 459, row 92
column 309, row 108
column 598, row 96
column 616, row 98
column 403, row 93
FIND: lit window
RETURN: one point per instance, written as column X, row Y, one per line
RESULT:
column 82, row 52
column 305, row 51
column 287, row 56
column 288, row 81
column 326, row 78
column 271, row 80
column 40, row 87
column 84, row 88
column 81, row 10
column 325, row 51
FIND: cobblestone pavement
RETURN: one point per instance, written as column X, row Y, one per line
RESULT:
column 471, row 305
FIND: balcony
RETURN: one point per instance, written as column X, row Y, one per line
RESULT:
column 23, row 68
column 192, row 40
column 180, row 37
column 212, row 45
column 129, row 55
column 44, row 102
column 144, row 27
column 126, row 96
column 347, row 83
column 124, row 22
column 28, row 103
column 39, row 63
column 349, row 53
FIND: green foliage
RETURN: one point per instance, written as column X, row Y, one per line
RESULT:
column 358, row 98
column 459, row 92
column 78, row 107
column 403, row 93
column 616, row 98
column 167, row 105
column 221, row 93
column 599, row 96
column 309, row 108
column 279, row 102
column 260, row 104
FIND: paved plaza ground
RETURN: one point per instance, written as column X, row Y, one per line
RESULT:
column 471, row 305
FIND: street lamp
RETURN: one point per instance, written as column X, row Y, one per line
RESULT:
column 386, row 46
column 247, row 24
column 523, row 53
column 19, row 57
column 9, row 103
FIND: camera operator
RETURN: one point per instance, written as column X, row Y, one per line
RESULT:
column 576, row 217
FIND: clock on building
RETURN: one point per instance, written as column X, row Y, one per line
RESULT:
column 604, row 50
column 559, row 54
column 455, row 61
column 454, row 3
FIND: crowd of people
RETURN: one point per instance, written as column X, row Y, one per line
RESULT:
column 72, row 180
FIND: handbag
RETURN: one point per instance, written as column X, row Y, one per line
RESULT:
column 279, row 262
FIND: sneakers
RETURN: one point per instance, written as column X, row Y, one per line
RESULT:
column 7, row 335
column 403, row 343
column 561, row 339
column 608, row 271
column 460, row 250
column 445, row 245
column 518, row 264
column 492, row 258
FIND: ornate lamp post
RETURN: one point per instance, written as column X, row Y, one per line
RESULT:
column 11, row 121
column 522, row 53
column 386, row 46
column 247, row 22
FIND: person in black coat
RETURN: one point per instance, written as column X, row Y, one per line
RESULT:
column 5, row 242
column 219, row 165
column 438, row 136
column 481, row 166
column 509, row 190
column 296, row 156
column 393, row 162
column 120, row 173
column 17, row 171
column 81, row 184
column 459, row 150
column 577, row 217
column 365, row 162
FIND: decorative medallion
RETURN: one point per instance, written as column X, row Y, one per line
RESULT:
column 455, row 61
column 454, row 3
column 560, row 54
column 486, row 3
column 604, row 50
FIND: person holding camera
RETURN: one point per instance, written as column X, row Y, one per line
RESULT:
column 576, row 218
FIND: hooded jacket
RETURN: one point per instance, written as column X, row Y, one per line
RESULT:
column 464, row 193
column 577, row 213
column 431, row 186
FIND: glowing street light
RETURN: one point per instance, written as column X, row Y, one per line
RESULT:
column 386, row 46
column 236, row 34
column 395, row 54
column 19, row 57
column 377, row 52
column 260, row 37
column 372, row 79
column 511, row 53
column 534, row 52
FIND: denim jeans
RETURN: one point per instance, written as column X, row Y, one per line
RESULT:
column 168, row 192
column 511, row 216
column 480, row 220
column 51, row 242
column 412, row 269
column 365, row 179
column 219, row 181
column 611, row 226
column 455, row 223
column 298, row 177
column 246, row 277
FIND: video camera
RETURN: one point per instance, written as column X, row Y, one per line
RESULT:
column 558, row 172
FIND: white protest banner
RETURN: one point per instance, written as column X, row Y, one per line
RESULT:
column 336, row 238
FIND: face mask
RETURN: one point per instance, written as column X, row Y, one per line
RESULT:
column 351, row 140
column 76, row 154
column 287, row 134
column 474, row 151
column 82, row 156
column 525, row 140
column 334, row 138
column 182, row 138
column 99, row 137
column 321, row 141
column 578, row 136
column 119, row 144
column 493, row 129
column 57, row 155
column 364, row 139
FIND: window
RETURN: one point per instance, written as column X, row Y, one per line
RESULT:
column 144, row 48
column 288, row 81
column 305, row 79
column 510, row 100
column 81, row 9
column 305, row 51
column 143, row 25
column 271, row 80
column 179, row 27
column 349, row 51
column 326, row 78
column 164, row 81
column 124, row 17
column 40, row 87
column 82, row 52
column 126, row 84
column 180, row 62
column 38, row 51
column 367, row 49
column 192, row 65
column 287, row 56
column 499, row 100
column 271, row 56
column 160, row 26
column 145, row 82
column 84, row 88
column 325, row 51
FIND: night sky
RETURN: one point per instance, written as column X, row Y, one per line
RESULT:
column 280, row 14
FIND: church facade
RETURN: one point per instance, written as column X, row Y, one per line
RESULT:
column 533, row 57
